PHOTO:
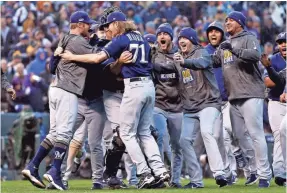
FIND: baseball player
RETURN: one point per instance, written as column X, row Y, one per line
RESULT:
column 7, row 86
column 167, row 114
column 113, row 89
column 276, row 109
column 63, row 102
column 201, row 99
column 239, row 57
column 215, row 34
column 138, row 97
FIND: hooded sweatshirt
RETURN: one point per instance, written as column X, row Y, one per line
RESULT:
column 211, row 49
column 166, row 79
column 198, row 84
column 242, row 78
column 38, row 65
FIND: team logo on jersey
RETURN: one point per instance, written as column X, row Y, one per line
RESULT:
column 59, row 155
column 186, row 76
column 227, row 57
column 167, row 76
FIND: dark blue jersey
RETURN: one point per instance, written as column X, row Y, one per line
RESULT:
column 131, row 41
column 278, row 63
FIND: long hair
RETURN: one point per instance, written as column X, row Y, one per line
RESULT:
column 126, row 26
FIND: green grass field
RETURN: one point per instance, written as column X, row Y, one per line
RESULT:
column 83, row 186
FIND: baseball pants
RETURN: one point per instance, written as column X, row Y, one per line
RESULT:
column 248, row 114
column 232, row 145
column 112, row 102
column 135, row 119
column 210, row 135
column 167, row 121
column 276, row 113
column 63, row 113
column 93, row 113
column 283, row 128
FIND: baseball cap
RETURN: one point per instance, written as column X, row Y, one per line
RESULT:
column 281, row 37
column 116, row 16
column 24, row 36
column 81, row 16
column 151, row 38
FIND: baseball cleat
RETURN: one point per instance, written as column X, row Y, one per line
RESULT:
column 263, row 183
column 221, row 181
column 145, row 180
column 193, row 185
column 97, row 186
column 252, row 179
column 31, row 173
column 54, row 177
column 280, row 181
column 114, row 183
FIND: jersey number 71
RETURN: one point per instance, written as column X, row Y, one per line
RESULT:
column 138, row 47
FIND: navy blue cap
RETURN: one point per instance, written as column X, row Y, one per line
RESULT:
column 238, row 17
column 116, row 16
column 81, row 16
column 190, row 34
column 52, row 25
column 281, row 37
column 151, row 38
column 165, row 27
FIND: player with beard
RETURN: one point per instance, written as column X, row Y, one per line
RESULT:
column 215, row 34
column 201, row 99
column 167, row 114
column 276, row 109
column 239, row 58
column 138, row 97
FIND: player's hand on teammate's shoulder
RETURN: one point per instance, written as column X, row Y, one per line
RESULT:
column 265, row 60
column 125, row 58
column 179, row 58
column 67, row 55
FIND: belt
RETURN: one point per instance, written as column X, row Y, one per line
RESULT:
column 140, row 79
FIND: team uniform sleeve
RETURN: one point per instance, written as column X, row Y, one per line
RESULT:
column 115, row 47
column 252, row 51
column 202, row 62
column 107, row 62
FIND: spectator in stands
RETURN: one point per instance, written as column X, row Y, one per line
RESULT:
column 16, row 59
column 132, row 15
column 53, row 33
column 211, row 9
column 21, row 47
column 150, row 28
column 19, row 83
column 7, row 38
column 169, row 11
column 38, row 65
column 30, row 22
column 9, row 23
column 268, row 31
column 21, row 14
column 151, row 14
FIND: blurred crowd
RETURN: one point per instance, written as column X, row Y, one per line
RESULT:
column 30, row 31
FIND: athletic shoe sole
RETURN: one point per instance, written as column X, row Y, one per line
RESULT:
column 147, row 182
column 49, row 178
column 34, row 181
